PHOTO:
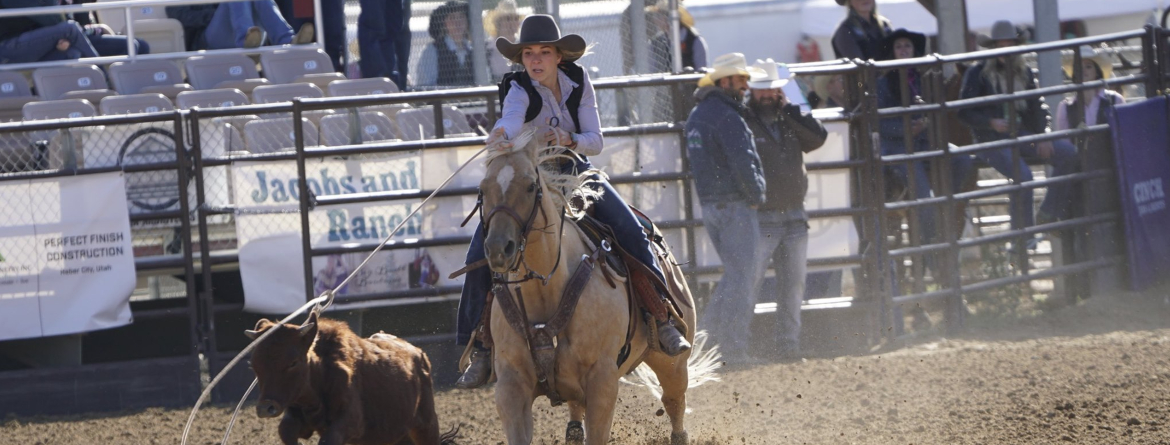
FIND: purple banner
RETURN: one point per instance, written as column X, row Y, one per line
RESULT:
column 1141, row 144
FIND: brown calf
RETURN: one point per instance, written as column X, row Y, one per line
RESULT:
column 349, row 390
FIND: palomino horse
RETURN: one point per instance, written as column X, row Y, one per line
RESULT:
column 534, row 239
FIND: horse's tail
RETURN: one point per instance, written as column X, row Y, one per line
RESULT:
column 701, row 367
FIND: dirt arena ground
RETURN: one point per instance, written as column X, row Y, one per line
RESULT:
column 1096, row 373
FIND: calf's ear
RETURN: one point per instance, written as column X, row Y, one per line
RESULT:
column 261, row 325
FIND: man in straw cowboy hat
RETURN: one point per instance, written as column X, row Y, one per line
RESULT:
column 782, row 135
column 730, row 184
column 1009, row 74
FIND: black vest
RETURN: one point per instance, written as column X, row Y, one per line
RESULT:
column 575, row 72
column 451, row 72
column 1103, row 110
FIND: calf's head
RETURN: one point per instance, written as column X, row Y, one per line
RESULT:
column 281, row 363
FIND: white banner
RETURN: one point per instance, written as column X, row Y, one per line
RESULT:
column 269, row 232
column 66, row 258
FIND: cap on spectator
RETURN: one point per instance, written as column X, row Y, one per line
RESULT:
column 1089, row 53
column 769, row 75
column 541, row 29
column 1001, row 30
column 732, row 64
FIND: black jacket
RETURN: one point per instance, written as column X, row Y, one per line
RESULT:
column 857, row 38
column 1033, row 120
column 195, row 19
column 783, row 157
column 11, row 27
column 723, row 157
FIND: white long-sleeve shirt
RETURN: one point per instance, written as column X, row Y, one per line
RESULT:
column 589, row 139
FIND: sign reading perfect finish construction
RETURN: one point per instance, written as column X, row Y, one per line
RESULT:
column 66, row 260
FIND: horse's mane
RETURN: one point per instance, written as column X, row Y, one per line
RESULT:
column 562, row 187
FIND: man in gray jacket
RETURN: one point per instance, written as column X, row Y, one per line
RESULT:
column 730, row 185
column 782, row 135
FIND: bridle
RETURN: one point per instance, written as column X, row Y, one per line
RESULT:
column 526, row 227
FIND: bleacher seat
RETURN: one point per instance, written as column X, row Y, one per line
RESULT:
column 224, row 71
column 335, row 129
column 416, row 124
column 362, row 87
column 148, row 76
column 274, row 135
column 14, row 93
column 56, row 83
column 58, row 109
column 299, row 65
column 116, row 18
column 220, row 98
column 136, row 103
column 164, row 35
column 284, row 93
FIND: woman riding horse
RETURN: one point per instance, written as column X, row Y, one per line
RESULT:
column 556, row 93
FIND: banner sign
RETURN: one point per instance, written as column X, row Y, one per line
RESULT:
column 1140, row 141
column 66, row 258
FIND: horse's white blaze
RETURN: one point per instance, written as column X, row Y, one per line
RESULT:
column 505, row 177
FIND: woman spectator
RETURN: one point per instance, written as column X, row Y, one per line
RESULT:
column 504, row 22
column 862, row 33
column 446, row 61
column 565, row 114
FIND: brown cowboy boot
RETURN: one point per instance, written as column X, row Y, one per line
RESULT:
column 478, row 372
column 671, row 340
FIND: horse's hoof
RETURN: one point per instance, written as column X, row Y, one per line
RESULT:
column 679, row 438
column 575, row 433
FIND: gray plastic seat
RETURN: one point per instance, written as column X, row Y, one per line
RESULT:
column 148, row 76
column 284, row 93
column 229, row 70
column 54, row 83
column 288, row 65
column 14, row 93
column 375, row 126
column 136, row 103
column 362, row 87
column 164, row 35
column 274, row 135
column 221, row 98
column 58, row 109
column 416, row 124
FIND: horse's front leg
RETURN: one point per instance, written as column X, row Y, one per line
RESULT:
column 575, row 432
column 600, row 398
column 514, row 395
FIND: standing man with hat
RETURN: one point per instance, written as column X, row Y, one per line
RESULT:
column 730, row 185
column 782, row 135
column 990, row 123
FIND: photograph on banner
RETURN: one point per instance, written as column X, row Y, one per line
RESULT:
column 66, row 257
column 268, row 226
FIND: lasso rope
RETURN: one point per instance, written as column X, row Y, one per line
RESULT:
column 318, row 305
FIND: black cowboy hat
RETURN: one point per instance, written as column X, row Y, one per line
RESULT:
column 917, row 39
column 541, row 29
column 841, row 2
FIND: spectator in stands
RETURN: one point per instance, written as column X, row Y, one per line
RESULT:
column 1094, row 103
column 566, row 116
column 38, row 38
column 830, row 91
column 384, row 39
column 730, row 184
column 446, row 61
column 692, row 46
column 782, row 135
column 237, row 25
column 104, row 39
column 903, row 44
column 300, row 12
column 504, row 22
column 990, row 123
column 861, row 34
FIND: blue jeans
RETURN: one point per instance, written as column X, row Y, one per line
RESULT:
column 41, row 44
column 384, row 39
column 786, row 241
column 611, row 210
column 229, row 26
column 1058, row 200
column 332, row 19
column 734, row 229
column 106, row 45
